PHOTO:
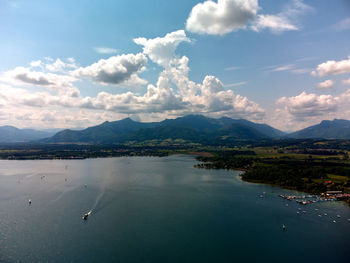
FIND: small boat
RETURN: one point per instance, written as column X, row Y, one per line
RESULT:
column 85, row 216
column 30, row 201
column 283, row 227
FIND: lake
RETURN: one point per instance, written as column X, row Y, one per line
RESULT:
column 151, row 209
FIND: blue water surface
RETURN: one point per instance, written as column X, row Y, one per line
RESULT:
column 151, row 209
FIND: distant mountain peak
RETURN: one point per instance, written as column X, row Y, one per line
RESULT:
column 326, row 129
column 127, row 119
column 10, row 134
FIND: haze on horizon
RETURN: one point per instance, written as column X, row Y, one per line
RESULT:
column 69, row 64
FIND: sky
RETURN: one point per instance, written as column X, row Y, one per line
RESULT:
column 74, row 64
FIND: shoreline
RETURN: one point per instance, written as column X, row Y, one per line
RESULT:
column 346, row 201
column 261, row 182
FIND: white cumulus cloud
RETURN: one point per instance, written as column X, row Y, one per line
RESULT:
column 309, row 104
column 60, row 66
column 327, row 84
column 305, row 109
column 161, row 49
column 222, row 17
column 62, row 84
column 225, row 16
column 115, row 70
column 36, row 63
column 332, row 67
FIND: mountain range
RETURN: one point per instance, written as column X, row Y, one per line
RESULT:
column 336, row 129
column 192, row 128
column 10, row 134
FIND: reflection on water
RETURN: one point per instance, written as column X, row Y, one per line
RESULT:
column 157, row 210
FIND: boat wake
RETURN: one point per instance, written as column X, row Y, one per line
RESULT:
column 103, row 200
column 98, row 200
column 104, row 197
column 107, row 196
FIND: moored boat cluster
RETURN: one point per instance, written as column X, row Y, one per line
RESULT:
column 324, row 197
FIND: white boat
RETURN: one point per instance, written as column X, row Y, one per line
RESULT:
column 85, row 216
column 283, row 227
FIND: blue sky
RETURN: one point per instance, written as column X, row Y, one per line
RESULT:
column 79, row 63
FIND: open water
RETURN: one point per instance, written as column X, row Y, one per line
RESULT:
column 150, row 209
